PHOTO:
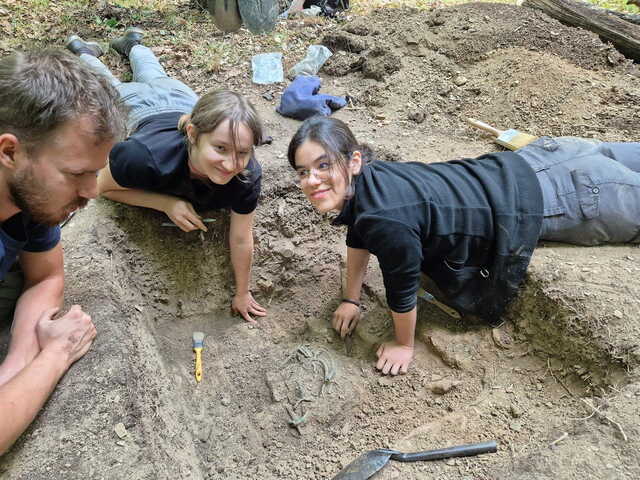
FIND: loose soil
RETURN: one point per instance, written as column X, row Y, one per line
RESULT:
column 557, row 386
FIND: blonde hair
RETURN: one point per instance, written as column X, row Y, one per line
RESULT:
column 214, row 108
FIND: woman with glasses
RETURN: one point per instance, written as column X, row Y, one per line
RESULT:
column 471, row 225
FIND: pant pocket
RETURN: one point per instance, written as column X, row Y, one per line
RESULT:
column 587, row 194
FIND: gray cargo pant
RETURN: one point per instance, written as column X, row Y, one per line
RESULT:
column 152, row 90
column 591, row 189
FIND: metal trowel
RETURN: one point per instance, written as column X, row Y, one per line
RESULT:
column 424, row 295
column 370, row 462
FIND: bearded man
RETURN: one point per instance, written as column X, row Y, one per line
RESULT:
column 58, row 122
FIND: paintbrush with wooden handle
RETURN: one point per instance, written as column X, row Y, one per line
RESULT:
column 511, row 139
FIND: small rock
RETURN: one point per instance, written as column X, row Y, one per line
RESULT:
column 501, row 338
column 460, row 80
column 266, row 286
column 416, row 116
column 225, row 402
column 617, row 314
column 120, row 430
column 267, row 96
column 516, row 412
column 515, row 426
column 385, row 381
column 277, row 387
column 120, row 443
column 443, row 386
column 451, row 462
column 204, row 434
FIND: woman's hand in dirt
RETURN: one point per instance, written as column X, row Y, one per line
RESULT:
column 70, row 335
column 345, row 318
column 183, row 215
column 245, row 304
column 394, row 358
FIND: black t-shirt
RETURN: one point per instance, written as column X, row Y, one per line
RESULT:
column 155, row 158
column 19, row 233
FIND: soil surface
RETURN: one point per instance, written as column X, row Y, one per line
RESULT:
column 557, row 386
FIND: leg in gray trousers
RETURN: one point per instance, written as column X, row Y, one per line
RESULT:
column 152, row 91
column 591, row 189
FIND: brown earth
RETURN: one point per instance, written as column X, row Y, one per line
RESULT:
column 557, row 386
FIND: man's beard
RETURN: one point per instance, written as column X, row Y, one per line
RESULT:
column 31, row 196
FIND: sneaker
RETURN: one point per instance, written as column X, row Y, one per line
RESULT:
column 132, row 37
column 78, row 46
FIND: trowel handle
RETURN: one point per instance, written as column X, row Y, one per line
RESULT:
column 459, row 451
column 483, row 126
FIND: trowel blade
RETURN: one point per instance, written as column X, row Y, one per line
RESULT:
column 365, row 465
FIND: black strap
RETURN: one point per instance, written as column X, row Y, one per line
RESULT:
column 352, row 302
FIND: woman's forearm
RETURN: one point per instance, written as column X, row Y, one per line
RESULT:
column 141, row 198
column 405, row 327
column 357, row 261
column 241, row 259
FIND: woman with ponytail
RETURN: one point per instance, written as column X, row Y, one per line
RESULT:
column 184, row 155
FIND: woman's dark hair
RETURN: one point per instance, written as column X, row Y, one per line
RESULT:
column 335, row 137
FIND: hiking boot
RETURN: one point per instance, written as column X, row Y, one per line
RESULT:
column 132, row 37
column 78, row 46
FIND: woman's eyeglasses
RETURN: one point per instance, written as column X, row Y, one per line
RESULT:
column 321, row 172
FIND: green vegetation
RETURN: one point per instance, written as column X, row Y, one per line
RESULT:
column 366, row 5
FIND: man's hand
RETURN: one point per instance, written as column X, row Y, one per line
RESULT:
column 244, row 304
column 70, row 335
column 345, row 318
column 183, row 215
column 394, row 358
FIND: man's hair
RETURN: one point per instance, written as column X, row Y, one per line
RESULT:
column 42, row 90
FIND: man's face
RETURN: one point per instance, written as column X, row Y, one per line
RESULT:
column 60, row 176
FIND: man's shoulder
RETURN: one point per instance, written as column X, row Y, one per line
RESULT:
column 31, row 235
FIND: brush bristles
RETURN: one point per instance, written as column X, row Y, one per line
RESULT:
column 198, row 339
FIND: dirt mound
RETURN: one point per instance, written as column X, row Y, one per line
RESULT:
column 508, row 65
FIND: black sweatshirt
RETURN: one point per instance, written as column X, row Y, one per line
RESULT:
column 471, row 225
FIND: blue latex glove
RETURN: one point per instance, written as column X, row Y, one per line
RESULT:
column 301, row 99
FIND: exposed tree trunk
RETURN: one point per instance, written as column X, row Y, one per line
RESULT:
column 623, row 34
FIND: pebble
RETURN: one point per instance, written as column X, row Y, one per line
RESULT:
column 385, row 381
column 515, row 426
column 617, row 314
column 120, row 430
column 515, row 411
column 460, row 80
column 443, row 386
